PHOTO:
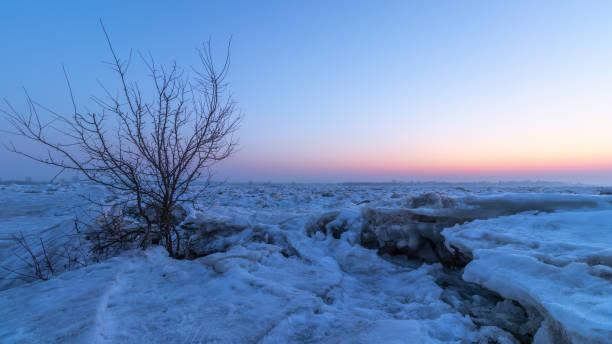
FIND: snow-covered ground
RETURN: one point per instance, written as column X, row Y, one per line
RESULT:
column 328, row 263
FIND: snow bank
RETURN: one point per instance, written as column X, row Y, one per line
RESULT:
column 250, row 293
column 560, row 263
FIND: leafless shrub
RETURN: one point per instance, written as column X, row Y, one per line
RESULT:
column 152, row 149
column 92, row 240
column 76, row 252
column 36, row 266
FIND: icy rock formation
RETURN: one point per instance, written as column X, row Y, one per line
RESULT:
column 416, row 232
column 327, row 223
column 406, row 232
column 407, row 238
column 335, row 224
column 207, row 235
column 401, row 231
column 431, row 200
column 487, row 308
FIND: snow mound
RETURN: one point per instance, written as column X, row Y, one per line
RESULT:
column 559, row 263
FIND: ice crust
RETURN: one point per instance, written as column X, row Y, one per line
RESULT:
column 287, row 263
column 560, row 263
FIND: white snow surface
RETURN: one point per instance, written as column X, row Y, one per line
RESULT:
column 334, row 290
column 560, row 263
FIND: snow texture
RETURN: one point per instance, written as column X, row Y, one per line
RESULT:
column 329, row 263
column 560, row 263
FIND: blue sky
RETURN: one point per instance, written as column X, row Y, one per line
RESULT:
column 354, row 90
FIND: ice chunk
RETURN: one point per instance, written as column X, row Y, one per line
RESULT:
column 555, row 262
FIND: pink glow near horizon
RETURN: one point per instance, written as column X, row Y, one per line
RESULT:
column 466, row 168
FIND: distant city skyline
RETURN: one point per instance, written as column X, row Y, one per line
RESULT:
column 352, row 90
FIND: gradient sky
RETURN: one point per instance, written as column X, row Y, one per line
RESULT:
column 351, row 90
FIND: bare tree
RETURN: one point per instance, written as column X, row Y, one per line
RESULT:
column 153, row 148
